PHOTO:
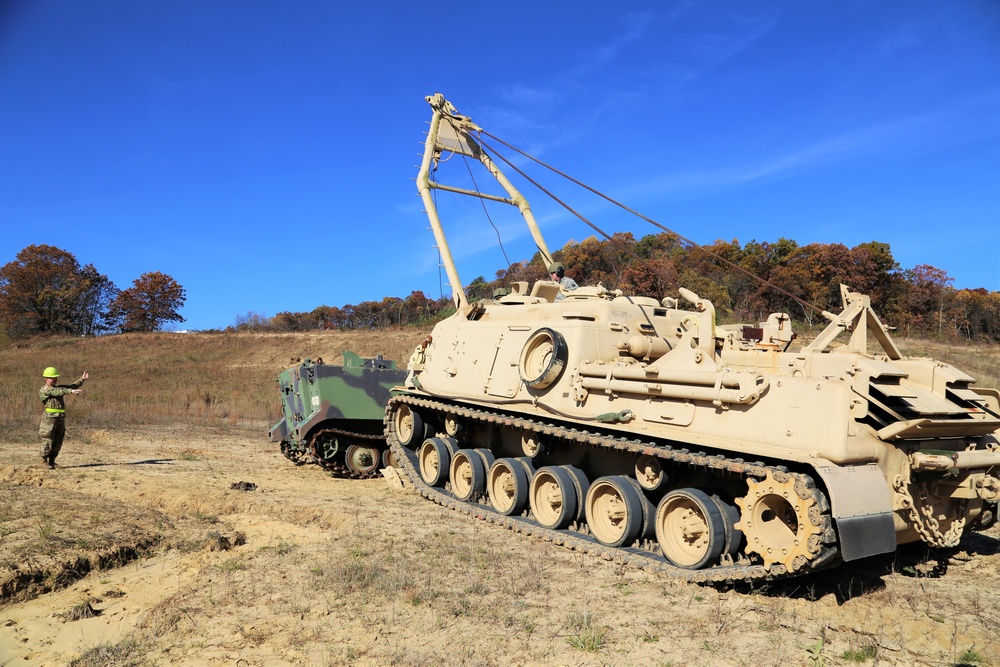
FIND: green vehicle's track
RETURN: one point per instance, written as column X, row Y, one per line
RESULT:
column 337, row 469
column 643, row 558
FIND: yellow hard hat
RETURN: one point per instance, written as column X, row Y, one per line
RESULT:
column 50, row 372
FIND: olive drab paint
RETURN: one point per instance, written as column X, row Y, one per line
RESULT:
column 347, row 400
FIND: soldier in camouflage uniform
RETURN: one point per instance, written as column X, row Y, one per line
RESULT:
column 52, row 430
column 557, row 272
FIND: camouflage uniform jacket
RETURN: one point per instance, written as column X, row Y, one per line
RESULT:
column 566, row 284
column 52, row 397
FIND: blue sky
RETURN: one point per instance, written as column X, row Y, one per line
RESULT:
column 263, row 153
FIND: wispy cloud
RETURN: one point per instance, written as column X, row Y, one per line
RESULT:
column 703, row 52
column 526, row 109
column 582, row 96
column 888, row 140
column 604, row 54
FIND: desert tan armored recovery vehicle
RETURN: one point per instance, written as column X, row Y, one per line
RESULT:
column 639, row 429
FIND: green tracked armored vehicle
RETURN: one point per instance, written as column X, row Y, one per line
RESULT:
column 332, row 415
column 639, row 429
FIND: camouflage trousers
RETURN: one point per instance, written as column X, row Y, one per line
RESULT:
column 52, row 430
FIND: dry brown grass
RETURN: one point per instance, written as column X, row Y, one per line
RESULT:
column 348, row 573
column 981, row 361
column 165, row 378
column 229, row 379
column 50, row 539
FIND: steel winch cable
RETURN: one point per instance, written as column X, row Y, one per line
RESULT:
column 485, row 210
column 644, row 263
column 475, row 185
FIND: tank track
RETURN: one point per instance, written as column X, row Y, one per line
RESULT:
column 642, row 558
column 296, row 456
column 336, row 468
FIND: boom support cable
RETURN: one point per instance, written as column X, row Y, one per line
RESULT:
column 648, row 266
column 485, row 210
column 569, row 208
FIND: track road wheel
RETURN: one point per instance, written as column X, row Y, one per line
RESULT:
column 487, row 457
column 452, row 427
column 734, row 536
column 527, row 464
column 649, row 473
column 362, row 459
column 408, row 425
column 779, row 525
column 507, row 484
column 325, row 448
column 434, row 458
column 468, row 474
column 553, row 497
column 647, row 530
column 614, row 511
column 581, row 485
column 531, row 445
column 690, row 528
column 389, row 459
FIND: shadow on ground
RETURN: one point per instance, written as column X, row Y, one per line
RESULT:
column 866, row 576
column 147, row 462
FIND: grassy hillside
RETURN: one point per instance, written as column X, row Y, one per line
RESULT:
column 229, row 379
column 165, row 378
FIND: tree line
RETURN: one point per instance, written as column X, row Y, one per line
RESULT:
column 44, row 290
column 916, row 301
column 415, row 309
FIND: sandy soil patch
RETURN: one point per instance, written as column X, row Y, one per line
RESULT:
column 182, row 569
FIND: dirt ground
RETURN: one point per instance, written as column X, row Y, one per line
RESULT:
column 143, row 532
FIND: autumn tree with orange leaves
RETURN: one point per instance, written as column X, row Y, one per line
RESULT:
column 153, row 300
column 46, row 291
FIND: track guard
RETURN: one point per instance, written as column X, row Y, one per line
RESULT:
column 862, row 509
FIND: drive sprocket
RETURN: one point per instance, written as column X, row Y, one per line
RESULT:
column 782, row 520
